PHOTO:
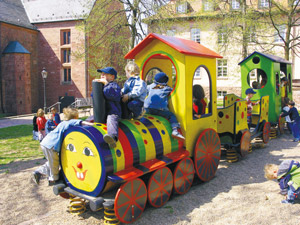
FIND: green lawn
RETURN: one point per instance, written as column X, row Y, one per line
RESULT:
column 16, row 144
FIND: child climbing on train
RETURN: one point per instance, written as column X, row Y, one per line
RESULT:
column 157, row 102
column 112, row 95
column 51, row 146
column 250, row 92
column 41, row 122
column 199, row 104
column 56, row 117
column 288, row 176
column 288, row 121
column 134, row 91
column 295, row 120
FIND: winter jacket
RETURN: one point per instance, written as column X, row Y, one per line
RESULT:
column 293, row 113
column 112, row 94
column 158, row 96
column 136, row 88
column 41, row 122
column 289, row 175
column 50, row 126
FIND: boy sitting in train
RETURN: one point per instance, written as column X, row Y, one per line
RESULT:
column 112, row 95
column 134, row 91
column 199, row 104
column 157, row 102
column 250, row 92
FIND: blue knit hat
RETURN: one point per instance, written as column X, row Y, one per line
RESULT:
column 250, row 91
column 161, row 78
column 108, row 70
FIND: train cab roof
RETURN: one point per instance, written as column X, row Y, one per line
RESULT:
column 273, row 58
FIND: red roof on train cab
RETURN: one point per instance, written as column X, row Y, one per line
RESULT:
column 183, row 46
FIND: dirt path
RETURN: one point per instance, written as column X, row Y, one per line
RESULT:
column 239, row 194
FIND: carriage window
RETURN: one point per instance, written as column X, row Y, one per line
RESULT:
column 201, row 93
column 257, row 79
column 150, row 75
column 277, row 83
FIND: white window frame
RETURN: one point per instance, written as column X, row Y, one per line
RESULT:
column 264, row 3
column 221, row 36
column 221, row 94
column 222, row 68
column 171, row 32
column 282, row 29
column 195, row 35
column 207, row 6
column 181, row 7
column 235, row 5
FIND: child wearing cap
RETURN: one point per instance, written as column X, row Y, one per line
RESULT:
column 157, row 102
column 288, row 176
column 250, row 92
column 134, row 91
column 295, row 120
column 112, row 95
column 288, row 121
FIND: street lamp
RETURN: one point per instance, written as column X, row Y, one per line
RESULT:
column 44, row 75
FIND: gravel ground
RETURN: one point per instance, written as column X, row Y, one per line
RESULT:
column 239, row 194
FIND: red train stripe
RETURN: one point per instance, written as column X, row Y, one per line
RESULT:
column 126, row 148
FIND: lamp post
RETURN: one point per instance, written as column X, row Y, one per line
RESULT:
column 44, row 75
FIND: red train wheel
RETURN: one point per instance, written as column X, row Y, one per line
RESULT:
column 183, row 176
column 281, row 122
column 207, row 154
column 160, row 187
column 245, row 143
column 266, row 132
column 131, row 200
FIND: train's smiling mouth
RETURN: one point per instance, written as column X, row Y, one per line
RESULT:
column 80, row 176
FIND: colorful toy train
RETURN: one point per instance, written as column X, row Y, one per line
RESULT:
column 147, row 163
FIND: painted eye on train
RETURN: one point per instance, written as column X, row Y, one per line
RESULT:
column 71, row 148
column 87, row 151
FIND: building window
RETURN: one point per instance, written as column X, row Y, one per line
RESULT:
column 181, row 7
column 222, row 68
column 235, row 5
column 281, row 29
column 67, row 75
column 222, row 36
column 65, row 37
column 195, row 35
column 264, row 3
column 66, row 55
column 208, row 6
column 171, row 33
column 221, row 94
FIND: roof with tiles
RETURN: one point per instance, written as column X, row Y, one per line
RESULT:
column 43, row 11
column 13, row 12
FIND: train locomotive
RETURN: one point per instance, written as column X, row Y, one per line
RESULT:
column 145, row 147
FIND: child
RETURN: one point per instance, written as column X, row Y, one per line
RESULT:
column 51, row 145
column 250, row 92
column 35, row 131
column 56, row 119
column 157, row 102
column 50, row 125
column 112, row 94
column 288, row 176
column 134, row 91
column 41, row 122
column 288, row 121
column 295, row 120
column 199, row 104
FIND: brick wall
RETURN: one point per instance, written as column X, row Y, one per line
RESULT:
column 28, row 38
column 50, row 57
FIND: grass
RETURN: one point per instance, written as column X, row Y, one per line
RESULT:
column 16, row 144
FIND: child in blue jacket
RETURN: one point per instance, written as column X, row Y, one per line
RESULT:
column 295, row 120
column 288, row 176
column 112, row 95
column 50, row 125
column 51, row 146
column 157, row 102
column 134, row 91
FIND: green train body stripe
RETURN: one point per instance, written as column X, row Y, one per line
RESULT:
column 166, row 123
column 113, row 153
column 138, row 138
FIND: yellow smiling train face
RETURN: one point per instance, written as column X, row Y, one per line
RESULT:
column 81, row 162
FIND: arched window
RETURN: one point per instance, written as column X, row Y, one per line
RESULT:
column 257, row 78
column 150, row 75
column 202, row 106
